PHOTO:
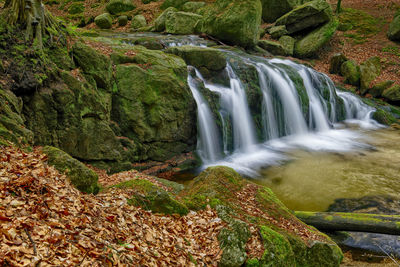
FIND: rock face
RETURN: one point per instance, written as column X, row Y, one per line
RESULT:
column 394, row 29
column 223, row 189
column 181, row 22
column 117, row 6
column 315, row 40
column 81, row 176
column 236, row 22
column 103, row 21
column 309, row 15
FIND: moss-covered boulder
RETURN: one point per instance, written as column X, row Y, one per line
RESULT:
column 274, row 48
column 151, row 197
column 193, row 7
column 236, row 22
column 12, row 126
column 277, row 31
column 394, row 29
column 369, row 71
column 392, row 94
column 336, row 62
column 152, row 104
column 138, row 21
column 377, row 89
column 309, row 45
column 81, row 176
column 224, row 189
column 273, row 9
column 118, row 6
column 308, row 15
column 159, row 23
column 287, row 43
column 103, row 21
column 173, row 3
column 76, row 8
column 199, row 57
column 351, row 72
column 122, row 21
column 181, row 22
column 97, row 65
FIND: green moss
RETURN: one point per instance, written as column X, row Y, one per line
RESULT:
column 76, row 8
column 278, row 250
column 252, row 263
column 81, row 176
column 152, row 197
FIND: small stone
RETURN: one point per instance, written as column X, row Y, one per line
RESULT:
column 277, row 31
column 122, row 20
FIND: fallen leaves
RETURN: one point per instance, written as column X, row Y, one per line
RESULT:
column 43, row 219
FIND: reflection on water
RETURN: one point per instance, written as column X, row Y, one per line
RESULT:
column 313, row 180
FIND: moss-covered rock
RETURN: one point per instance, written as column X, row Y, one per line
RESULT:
column 273, row 9
column 173, row 3
column 277, row 31
column 392, row 94
column 309, row 45
column 159, row 23
column 103, row 21
column 369, row 71
column 308, row 15
column 193, row 7
column 394, row 29
column 235, row 22
column 287, row 43
column 138, row 21
column 224, row 189
column 151, row 197
column 181, row 22
column 152, row 103
column 199, row 57
column 122, row 20
column 351, row 72
column 76, row 8
column 377, row 89
column 94, row 64
column 81, row 176
column 118, row 6
column 336, row 62
column 274, row 48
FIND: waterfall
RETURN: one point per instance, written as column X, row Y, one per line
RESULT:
column 300, row 108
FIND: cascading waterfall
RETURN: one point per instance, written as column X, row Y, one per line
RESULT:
column 289, row 120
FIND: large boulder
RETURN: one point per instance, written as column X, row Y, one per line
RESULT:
column 138, row 21
column 80, row 176
column 273, row 9
column 378, row 89
column 103, row 21
column 336, row 62
column 199, row 57
column 369, row 71
column 306, row 16
column 309, row 45
column 236, row 22
column 392, row 94
column 152, row 103
column 394, row 29
column 231, row 195
column 287, row 43
column 159, row 23
column 351, row 72
column 117, row 6
column 181, row 22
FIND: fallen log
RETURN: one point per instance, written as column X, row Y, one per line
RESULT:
column 357, row 222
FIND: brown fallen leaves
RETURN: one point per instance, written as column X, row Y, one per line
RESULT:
column 43, row 219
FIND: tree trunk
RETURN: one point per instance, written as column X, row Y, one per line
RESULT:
column 338, row 6
column 33, row 17
column 358, row 222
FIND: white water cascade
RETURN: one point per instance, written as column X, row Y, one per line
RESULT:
column 300, row 108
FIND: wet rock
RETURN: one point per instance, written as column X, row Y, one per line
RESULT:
column 274, row 48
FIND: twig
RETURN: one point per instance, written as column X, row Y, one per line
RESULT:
column 387, row 254
column 30, row 239
column 84, row 256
